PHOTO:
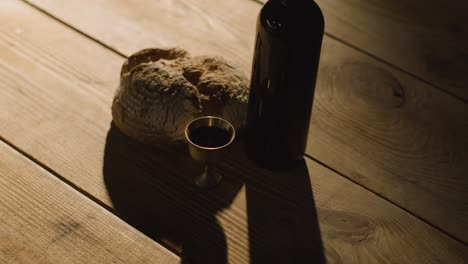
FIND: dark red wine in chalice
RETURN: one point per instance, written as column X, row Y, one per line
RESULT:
column 210, row 137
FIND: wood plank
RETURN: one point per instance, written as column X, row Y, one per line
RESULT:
column 396, row 136
column 384, row 129
column 46, row 221
column 425, row 38
column 166, row 24
column 60, row 115
column 274, row 213
column 351, row 217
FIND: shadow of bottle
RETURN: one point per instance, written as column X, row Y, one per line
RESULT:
column 152, row 189
column 282, row 217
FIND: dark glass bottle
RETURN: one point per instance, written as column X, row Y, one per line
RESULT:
column 284, row 71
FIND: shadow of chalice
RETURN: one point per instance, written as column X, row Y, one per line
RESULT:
column 152, row 188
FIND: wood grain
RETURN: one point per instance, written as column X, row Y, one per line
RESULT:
column 379, row 126
column 425, row 38
column 394, row 135
column 352, row 219
column 163, row 24
column 46, row 221
column 267, row 217
column 55, row 106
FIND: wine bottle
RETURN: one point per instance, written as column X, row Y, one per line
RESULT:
column 284, row 71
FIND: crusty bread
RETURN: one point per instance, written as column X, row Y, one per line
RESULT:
column 162, row 90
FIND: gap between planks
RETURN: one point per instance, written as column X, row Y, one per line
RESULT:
column 434, row 86
column 65, row 222
column 384, row 198
column 260, row 2
column 342, row 41
column 74, row 28
column 52, row 172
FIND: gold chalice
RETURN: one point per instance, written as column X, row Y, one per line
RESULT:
column 208, row 138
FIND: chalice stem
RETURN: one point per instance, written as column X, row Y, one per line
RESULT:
column 208, row 178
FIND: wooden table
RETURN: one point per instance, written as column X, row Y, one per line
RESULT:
column 384, row 180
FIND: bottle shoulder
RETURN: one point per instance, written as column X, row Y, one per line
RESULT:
column 303, row 15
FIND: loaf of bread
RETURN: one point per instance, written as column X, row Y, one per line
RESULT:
column 162, row 90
